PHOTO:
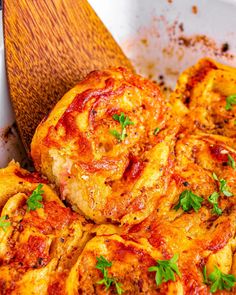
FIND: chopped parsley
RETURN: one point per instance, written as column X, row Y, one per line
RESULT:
column 124, row 121
column 102, row 265
column 231, row 161
column 205, row 279
column 224, row 189
column 215, row 176
column 230, row 100
column 213, row 199
column 36, row 197
column 218, row 280
column 188, row 200
column 165, row 270
column 156, row 131
column 4, row 223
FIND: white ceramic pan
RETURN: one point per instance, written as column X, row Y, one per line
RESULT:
column 161, row 37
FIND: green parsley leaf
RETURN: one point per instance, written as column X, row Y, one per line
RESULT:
column 213, row 199
column 215, row 176
column 205, row 279
column 124, row 121
column 36, row 197
column 107, row 281
column 223, row 186
column 3, row 223
column 119, row 290
column 156, row 131
column 165, row 270
column 230, row 100
column 102, row 265
column 188, row 200
column 231, row 161
column 116, row 134
column 220, row 281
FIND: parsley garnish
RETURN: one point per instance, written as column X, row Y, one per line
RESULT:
column 205, row 279
column 230, row 100
column 213, row 199
column 156, row 130
column 188, row 200
column 231, row 161
column 124, row 121
column 3, row 223
column 223, row 186
column 165, row 270
column 36, row 197
column 102, row 265
column 219, row 280
column 215, row 176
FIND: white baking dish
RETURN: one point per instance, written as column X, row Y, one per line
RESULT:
column 161, row 37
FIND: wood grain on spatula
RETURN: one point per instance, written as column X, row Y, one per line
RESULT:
column 50, row 46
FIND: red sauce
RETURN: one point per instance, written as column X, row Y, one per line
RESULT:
column 68, row 119
column 191, row 281
column 179, row 180
column 136, row 228
column 156, row 240
column 6, row 286
column 50, row 139
column 221, row 238
column 138, row 203
column 57, row 287
column 34, row 253
column 30, row 177
column 121, row 252
column 57, row 217
column 103, row 164
column 200, row 74
column 216, row 153
column 105, row 98
column 81, row 99
column 134, row 168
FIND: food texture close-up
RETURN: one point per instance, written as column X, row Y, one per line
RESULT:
column 117, row 176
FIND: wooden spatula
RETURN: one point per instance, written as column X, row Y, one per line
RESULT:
column 50, row 46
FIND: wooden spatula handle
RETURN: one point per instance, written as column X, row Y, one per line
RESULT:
column 51, row 45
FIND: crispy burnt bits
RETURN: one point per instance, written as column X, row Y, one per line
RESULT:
column 40, row 239
column 101, row 147
column 205, row 98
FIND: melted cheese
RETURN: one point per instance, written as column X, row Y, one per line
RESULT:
column 129, row 189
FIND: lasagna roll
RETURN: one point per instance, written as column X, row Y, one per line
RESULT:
column 39, row 237
column 205, row 98
column 196, row 218
column 201, row 241
column 116, row 265
column 106, row 145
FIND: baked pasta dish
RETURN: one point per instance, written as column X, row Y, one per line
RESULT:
column 134, row 192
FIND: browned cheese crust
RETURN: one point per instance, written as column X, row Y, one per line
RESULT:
column 130, row 183
column 102, row 177
column 37, row 245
